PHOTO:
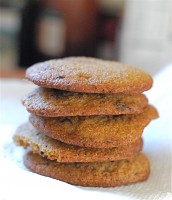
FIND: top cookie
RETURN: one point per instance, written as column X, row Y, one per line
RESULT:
column 89, row 75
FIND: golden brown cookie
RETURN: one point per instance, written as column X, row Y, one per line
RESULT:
column 89, row 75
column 27, row 136
column 96, row 131
column 54, row 103
column 104, row 174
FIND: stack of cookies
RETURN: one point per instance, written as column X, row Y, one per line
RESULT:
column 87, row 119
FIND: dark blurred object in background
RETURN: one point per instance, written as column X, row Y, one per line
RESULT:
column 109, row 28
column 52, row 29
column 27, row 50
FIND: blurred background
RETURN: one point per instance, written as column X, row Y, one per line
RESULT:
column 137, row 32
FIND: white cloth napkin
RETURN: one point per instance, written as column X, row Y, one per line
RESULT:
column 16, row 182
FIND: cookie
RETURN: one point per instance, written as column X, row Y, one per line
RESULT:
column 89, row 75
column 27, row 136
column 96, row 131
column 104, row 174
column 54, row 103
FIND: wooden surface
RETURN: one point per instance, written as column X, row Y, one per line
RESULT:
column 14, row 73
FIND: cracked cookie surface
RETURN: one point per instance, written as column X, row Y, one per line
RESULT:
column 104, row 174
column 54, row 103
column 96, row 131
column 27, row 136
column 89, row 75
